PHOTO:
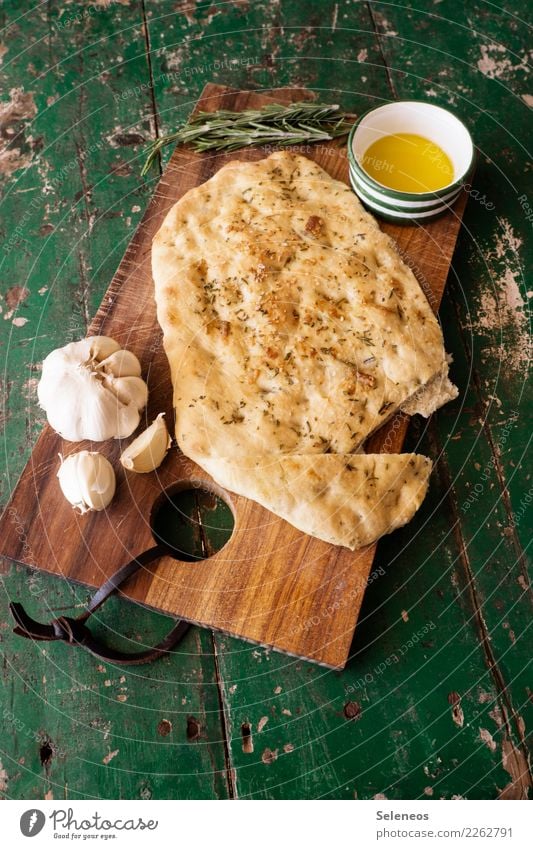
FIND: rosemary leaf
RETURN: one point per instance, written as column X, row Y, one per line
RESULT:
column 298, row 123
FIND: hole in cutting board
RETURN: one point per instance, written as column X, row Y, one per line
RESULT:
column 193, row 521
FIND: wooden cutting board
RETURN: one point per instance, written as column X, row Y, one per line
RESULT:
column 270, row 584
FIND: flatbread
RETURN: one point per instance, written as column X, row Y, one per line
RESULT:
column 345, row 499
column 290, row 321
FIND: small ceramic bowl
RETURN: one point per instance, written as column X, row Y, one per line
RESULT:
column 424, row 119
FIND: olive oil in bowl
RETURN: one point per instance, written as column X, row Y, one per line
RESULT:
column 407, row 162
column 409, row 159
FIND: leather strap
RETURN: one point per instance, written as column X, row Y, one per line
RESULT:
column 75, row 632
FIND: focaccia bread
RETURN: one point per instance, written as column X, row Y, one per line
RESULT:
column 345, row 499
column 290, row 321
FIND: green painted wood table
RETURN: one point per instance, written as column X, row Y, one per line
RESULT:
column 435, row 701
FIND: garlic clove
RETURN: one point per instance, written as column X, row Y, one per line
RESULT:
column 128, row 390
column 98, row 412
column 68, row 480
column 121, row 364
column 87, row 480
column 102, row 347
column 97, row 480
column 128, row 421
column 149, row 449
column 113, row 411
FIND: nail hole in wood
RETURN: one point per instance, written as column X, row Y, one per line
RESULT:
column 247, row 739
column 46, row 753
column 193, row 728
column 352, row 710
column 164, row 727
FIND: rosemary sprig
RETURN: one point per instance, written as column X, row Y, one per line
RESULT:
column 273, row 124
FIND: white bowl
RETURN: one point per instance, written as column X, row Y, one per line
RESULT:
column 436, row 124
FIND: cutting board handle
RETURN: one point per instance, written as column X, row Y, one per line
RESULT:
column 75, row 632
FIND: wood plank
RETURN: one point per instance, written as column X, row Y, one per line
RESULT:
column 279, row 585
column 405, row 743
column 406, row 737
column 483, row 443
column 416, row 713
column 69, row 218
column 74, row 728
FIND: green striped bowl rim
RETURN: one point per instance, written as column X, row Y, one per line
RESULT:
column 387, row 209
column 415, row 198
column 364, row 188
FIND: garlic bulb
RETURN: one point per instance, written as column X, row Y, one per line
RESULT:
column 148, row 450
column 87, row 480
column 92, row 389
